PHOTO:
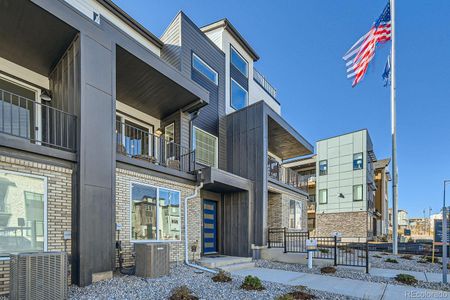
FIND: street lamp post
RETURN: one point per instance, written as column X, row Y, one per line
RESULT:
column 444, row 238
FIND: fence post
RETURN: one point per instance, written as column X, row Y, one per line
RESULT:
column 367, row 257
column 335, row 250
column 268, row 238
column 284, row 240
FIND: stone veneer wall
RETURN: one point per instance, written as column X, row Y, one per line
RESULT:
column 350, row 224
column 123, row 179
column 278, row 214
column 59, row 206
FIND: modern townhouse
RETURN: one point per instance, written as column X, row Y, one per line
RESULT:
column 343, row 177
column 109, row 134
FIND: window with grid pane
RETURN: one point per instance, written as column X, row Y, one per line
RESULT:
column 205, row 145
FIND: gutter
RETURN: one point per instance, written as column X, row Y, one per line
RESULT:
column 186, row 236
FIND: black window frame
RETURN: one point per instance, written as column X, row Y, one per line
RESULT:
column 326, row 200
column 358, row 166
column 362, row 192
column 323, row 172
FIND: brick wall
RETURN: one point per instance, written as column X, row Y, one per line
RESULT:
column 350, row 224
column 278, row 209
column 123, row 180
column 59, row 205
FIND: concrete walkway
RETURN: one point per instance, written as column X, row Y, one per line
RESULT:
column 343, row 286
column 422, row 276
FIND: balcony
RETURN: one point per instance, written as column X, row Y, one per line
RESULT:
column 139, row 144
column 38, row 123
column 286, row 175
column 264, row 83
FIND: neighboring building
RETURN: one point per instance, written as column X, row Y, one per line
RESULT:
column 382, row 178
column 107, row 129
column 345, row 186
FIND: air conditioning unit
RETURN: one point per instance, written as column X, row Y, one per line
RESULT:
column 40, row 275
column 152, row 259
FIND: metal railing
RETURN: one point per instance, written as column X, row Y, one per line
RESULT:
column 286, row 175
column 140, row 144
column 39, row 123
column 342, row 253
column 264, row 83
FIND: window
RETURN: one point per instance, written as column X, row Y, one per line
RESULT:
column 357, row 161
column 155, row 213
column 323, row 167
column 239, row 62
column 22, row 213
column 203, row 68
column 358, row 192
column 323, row 196
column 239, row 95
column 295, row 214
column 169, row 132
column 205, row 145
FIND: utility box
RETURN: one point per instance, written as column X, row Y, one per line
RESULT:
column 38, row 276
column 152, row 259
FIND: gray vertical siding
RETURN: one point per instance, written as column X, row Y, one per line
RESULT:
column 247, row 157
column 236, row 221
column 65, row 80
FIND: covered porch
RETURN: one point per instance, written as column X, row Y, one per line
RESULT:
column 227, row 202
column 39, row 90
column 154, row 107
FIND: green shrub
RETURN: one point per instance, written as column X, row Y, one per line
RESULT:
column 328, row 270
column 407, row 257
column 429, row 259
column 391, row 260
column 324, row 250
column 252, row 283
column 405, row 278
column 222, row 276
column 182, row 293
column 297, row 295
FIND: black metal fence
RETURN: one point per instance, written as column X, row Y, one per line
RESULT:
column 341, row 253
column 39, row 123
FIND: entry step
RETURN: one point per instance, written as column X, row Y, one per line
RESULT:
column 220, row 261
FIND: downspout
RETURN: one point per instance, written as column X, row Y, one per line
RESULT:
column 186, row 237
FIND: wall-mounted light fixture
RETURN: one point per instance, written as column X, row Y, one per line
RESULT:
column 46, row 96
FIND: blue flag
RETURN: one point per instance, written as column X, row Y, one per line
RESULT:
column 387, row 72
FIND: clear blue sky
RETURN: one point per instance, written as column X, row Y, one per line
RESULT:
column 301, row 44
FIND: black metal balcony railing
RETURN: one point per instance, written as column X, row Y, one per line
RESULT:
column 286, row 175
column 264, row 83
column 140, row 144
column 39, row 123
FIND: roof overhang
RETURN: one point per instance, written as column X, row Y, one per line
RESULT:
column 154, row 87
column 284, row 141
column 216, row 180
column 224, row 23
column 32, row 37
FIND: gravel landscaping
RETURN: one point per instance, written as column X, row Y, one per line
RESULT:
column 413, row 263
column 201, row 284
column 344, row 272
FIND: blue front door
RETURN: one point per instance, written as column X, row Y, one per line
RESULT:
column 209, row 226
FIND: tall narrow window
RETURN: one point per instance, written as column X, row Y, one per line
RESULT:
column 358, row 192
column 239, row 96
column 323, row 196
column 205, row 145
column 323, row 167
column 22, row 213
column 357, row 161
column 239, row 62
column 295, row 214
column 204, row 69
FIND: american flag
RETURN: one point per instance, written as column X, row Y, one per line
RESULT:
column 362, row 52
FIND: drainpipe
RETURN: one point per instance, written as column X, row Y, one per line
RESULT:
column 186, row 237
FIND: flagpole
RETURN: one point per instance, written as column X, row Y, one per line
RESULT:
column 394, row 138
